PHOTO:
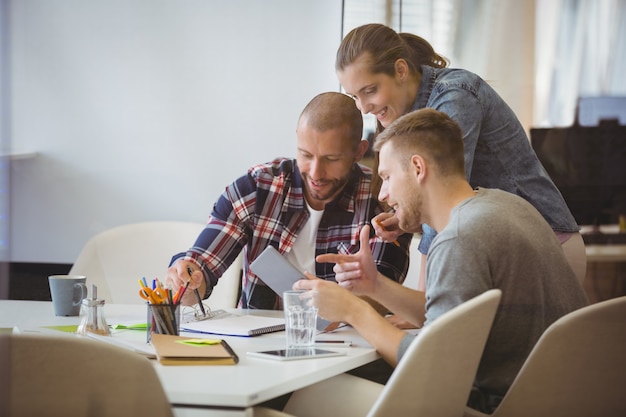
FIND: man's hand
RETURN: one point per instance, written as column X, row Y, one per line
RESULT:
column 333, row 302
column 178, row 275
column 356, row 272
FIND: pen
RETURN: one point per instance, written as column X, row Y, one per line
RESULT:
column 181, row 291
column 333, row 343
column 189, row 271
column 395, row 242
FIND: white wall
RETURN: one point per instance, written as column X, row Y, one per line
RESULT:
column 145, row 109
column 4, row 162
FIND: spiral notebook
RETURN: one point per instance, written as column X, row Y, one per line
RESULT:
column 236, row 325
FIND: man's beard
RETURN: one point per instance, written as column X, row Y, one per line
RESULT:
column 336, row 185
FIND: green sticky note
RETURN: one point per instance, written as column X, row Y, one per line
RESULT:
column 68, row 329
column 136, row 326
column 199, row 342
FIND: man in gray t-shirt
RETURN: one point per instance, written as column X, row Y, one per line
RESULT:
column 498, row 240
column 486, row 239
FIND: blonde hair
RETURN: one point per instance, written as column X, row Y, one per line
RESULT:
column 430, row 133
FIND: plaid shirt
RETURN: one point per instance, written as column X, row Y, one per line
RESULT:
column 267, row 207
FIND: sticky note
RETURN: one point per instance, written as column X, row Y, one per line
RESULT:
column 199, row 342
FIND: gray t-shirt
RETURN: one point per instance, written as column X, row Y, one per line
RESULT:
column 499, row 240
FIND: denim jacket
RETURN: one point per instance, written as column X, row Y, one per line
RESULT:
column 498, row 153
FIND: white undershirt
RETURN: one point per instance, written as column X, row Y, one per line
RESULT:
column 302, row 254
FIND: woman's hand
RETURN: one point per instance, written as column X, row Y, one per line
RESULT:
column 386, row 227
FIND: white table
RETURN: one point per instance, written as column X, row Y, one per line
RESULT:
column 210, row 390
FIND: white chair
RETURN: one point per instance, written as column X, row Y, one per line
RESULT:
column 413, row 277
column 576, row 369
column 434, row 377
column 115, row 259
column 51, row 376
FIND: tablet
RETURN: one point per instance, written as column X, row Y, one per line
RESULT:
column 280, row 275
column 275, row 270
column 295, row 354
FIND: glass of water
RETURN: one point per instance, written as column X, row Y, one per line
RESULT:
column 300, row 318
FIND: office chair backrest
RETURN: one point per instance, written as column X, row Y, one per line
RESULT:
column 49, row 376
column 435, row 375
column 115, row 259
column 576, row 369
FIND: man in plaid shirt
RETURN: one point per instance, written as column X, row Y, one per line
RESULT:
column 304, row 207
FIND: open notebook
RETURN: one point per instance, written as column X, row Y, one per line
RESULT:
column 236, row 325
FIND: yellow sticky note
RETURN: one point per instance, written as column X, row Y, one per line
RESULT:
column 199, row 342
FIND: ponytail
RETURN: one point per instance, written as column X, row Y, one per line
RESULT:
column 385, row 46
column 420, row 52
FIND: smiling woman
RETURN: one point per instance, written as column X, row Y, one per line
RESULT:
column 391, row 74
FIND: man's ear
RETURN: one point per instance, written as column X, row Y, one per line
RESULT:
column 418, row 166
column 361, row 149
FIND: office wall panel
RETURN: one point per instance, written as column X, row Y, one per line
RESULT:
column 144, row 110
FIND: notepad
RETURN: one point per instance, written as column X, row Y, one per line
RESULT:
column 181, row 350
column 236, row 325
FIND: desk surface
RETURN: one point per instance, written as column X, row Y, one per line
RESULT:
column 606, row 253
column 246, row 384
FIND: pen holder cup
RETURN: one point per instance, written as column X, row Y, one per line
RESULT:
column 163, row 319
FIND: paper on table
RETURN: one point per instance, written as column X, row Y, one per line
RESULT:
column 136, row 346
column 236, row 325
